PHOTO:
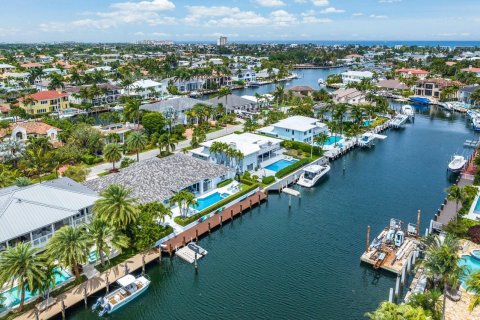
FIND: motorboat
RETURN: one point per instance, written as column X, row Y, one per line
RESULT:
column 457, row 163
column 197, row 249
column 130, row 288
column 367, row 140
column 312, row 174
column 321, row 82
column 253, row 84
column 420, row 100
column 476, row 123
column 68, row 113
column 408, row 111
column 399, row 121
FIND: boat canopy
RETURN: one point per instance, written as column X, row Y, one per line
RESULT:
column 127, row 280
column 314, row 168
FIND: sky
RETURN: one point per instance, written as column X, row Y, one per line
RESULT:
column 239, row 20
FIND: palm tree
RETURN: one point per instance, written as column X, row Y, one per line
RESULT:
column 21, row 265
column 131, row 110
column 168, row 142
column 183, row 199
column 392, row 311
column 116, row 206
column 105, row 237
column 224, row 92
column 473, row 286
column 279, row 94
column 457, row 194
column 112, row 152
column 50, row 273
column 475, row 97
column 137, row 141
column 70, row 246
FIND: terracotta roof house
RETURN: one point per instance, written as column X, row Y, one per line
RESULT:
column 409, row 73
column 45, row 102
column 391, row 85
column 473, row 70
column 24, row 130
column 32, row 65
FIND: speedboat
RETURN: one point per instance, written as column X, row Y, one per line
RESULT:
column 321, row 82
column 130, row 288
column 408, row 111
column 398, row 121
column 312, row 174
column 366, row 140
column 457, row 163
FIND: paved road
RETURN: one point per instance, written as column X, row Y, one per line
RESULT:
column 94, row 171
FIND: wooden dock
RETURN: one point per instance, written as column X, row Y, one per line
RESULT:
column 213, row 222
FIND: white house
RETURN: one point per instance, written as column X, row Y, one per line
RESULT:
column 255, row 149
column 247, row 75
column 146, row 89
column 296, row 128
column 349, row 95
column 355, row 76
column 106, row 69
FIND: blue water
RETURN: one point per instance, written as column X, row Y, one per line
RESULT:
column 477, row 206
column 472, row 266
column 280, row 164
column 203, row 203
column 12, row 296
column 332, row 140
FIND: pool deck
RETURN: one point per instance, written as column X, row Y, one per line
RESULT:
column 217, row 220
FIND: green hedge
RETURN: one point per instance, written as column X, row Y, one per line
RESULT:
column 268, row 180
column 294, row 166
column 184, row 221
column 224, row 183
column 248, row 182
column 305, row 147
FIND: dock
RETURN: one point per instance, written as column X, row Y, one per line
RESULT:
column 217, row 220
column 471, row 143
column 188, row 254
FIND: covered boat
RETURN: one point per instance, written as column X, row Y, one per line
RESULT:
column 420, row 100
column 312, row 174
column 457, row 163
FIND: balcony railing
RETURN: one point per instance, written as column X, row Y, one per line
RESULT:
column 41, row 241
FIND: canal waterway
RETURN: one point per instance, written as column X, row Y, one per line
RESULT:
column 303, row 263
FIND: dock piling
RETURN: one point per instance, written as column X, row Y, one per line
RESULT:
column 196, row 235
column 221, row 221
column 397, row 286
column 160, row 255
column 418, row 222
column 390, row 295
column 63, row 309
column 209, row 228
column 196, row 264
column 367, row 245
column 85, row 295
column 107, row 283
column 404, row 275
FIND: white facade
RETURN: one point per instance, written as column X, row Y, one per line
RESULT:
column 296, row 128
column 146, row 89
column 355, row 76
column 222, row 41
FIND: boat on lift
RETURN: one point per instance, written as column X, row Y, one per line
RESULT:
column 130, row 288
column 312, row 174
column 457, row 163
column 398, row 122
column 367, row 140
column 408, row 111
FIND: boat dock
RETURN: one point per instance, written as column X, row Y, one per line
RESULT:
column 189, row 255
column 217, row 220
column 471, row 143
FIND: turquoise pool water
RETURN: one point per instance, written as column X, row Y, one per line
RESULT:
column 366, row 123
column 472, row 266
column 280, row 164
column 203, row 203
column 12, row 296
column 477, row 206
column 332, row 140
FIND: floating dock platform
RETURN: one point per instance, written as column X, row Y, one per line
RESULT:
column 189, row 255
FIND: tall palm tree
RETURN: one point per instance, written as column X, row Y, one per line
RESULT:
column 279, row 94
column 137, row 142
column 105, row 237
column 473, row 286
column 50, row 273
column 457, row 194
column 132, row 110
column 112, row 152
column 224, row 92
column 21, row 265
column 70, row 246
column 183, row 199
column 168, row 142
column 116, row 206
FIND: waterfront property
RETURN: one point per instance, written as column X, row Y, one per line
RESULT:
column 159, row 179
column 146, row 89
column 295, row 128
column 108, row 93
column 410, row 73
column 34, row 213
column 234, row 103
column 177, row 105
column 434, row 87
column 24, row 130
column 44, row 102
column 349, row 95
column 255, row 150
column 355, row 76
column 466, row 92
column 120, row 129
column 471, row 69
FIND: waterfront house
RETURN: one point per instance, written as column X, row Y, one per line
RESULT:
column 158, row 179
column 23, row 130
column 247, row 75
column 234, row 103
column 109, row 94
column 146, row 89
column 466, row 92
column 44, row 102
column 175, row 107
column 391, row 85
column 349, row 95
column 119, row 129
column 106, row 69
column 4, row 67
column 296, row 128
column 254, row 148
column 305, row 91
column 476, row 71
column 410, row 73
column 433, row 87
column 355, row 76
column 49, row 71
column 34, row 213
column 32, row 65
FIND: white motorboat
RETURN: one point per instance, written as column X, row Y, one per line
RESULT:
column 312, row 174
column 321, row 82
column 130, row 288
column 457, row 163
column 367, row 140
column 408, row 111
column 476, row 123
column 399, row 121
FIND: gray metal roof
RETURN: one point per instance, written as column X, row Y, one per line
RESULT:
column 26, row 209
column 158, row 179
column 233, row 102
column 178, row 103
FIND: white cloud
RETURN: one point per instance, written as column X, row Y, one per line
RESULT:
column 452, row 34
column 374, row 16
column 357, row 14
column 310, row 18
column 154, row 5
column 282, row 18
column 320, row 3
column 300, row 1
column 270, row 3
column 332, row 10
column 389, row 1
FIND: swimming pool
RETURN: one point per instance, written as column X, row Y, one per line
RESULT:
column 472, row 266
column 209, row 200
column 332, row 140
column 12, row 296
column 280, row 164
column 477, row 206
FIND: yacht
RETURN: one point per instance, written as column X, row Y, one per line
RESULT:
column 408, row 111
column 398, row 121
column 457, row 163
column 130, row 288
column 312, row 174
column 367, row 140
column 253, row 84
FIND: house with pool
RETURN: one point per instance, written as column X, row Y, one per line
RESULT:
column 34, row 213
column 295, row 128
column 256, row 150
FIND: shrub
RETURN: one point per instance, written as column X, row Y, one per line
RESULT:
column 126, row 162
column 268, row 180
column 294, row 166
column 90, row 159
column 460, row 227
column 184, row 221
column 301, row 146
column 474, row 234
column 76, row 173
column 224, row 183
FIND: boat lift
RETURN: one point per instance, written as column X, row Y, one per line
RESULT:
column 291, row 192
